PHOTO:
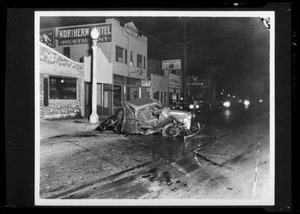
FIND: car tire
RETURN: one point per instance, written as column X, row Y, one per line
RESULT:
column 169, row 130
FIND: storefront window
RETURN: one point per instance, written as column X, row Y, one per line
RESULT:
column 128, row 81
column 156, row 95
column 134, row 93
column 127, row 93
column 136, row 82
column 63, row 88
column 117, row 96
column 119, row 79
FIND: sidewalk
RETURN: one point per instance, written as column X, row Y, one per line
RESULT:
column 52, row 128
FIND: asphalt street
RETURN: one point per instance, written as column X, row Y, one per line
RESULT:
column 229, row 159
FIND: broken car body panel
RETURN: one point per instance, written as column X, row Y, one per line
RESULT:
column 147, row 116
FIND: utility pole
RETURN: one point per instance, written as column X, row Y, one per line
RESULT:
column 185, row 59
column 185, row 47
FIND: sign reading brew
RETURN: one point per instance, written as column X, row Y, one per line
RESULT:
column 173, row 64
column 131, row 32
column 47, row 37
column 81, row 35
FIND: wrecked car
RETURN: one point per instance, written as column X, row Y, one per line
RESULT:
column 147, row 116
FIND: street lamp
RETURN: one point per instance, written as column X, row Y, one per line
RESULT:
column 94, row 118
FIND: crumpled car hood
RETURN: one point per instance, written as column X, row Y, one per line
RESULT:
column 179, row 114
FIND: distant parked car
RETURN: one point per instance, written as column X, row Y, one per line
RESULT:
column 186, row 105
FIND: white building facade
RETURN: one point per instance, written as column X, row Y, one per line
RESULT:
column 121, row 61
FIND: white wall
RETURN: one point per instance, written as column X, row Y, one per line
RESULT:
column 104, row 68
column 119, row 37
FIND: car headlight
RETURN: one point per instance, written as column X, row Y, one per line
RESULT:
column 246, row 102
column 226, row 104
column 185, row 120
column 191, row 106
column 180, row 107
column 197, row 106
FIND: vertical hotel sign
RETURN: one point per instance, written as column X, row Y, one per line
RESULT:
column 47, row 36
column 81, row 35
column 132, row 32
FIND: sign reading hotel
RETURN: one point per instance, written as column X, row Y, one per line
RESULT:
column 174, row 81
column 81, row 35
column 131, row 32
column 173, row 64
column 47, row 37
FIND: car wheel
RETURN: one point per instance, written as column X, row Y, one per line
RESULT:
column 170, row 130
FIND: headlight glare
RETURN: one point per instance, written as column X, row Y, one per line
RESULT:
column 226, row 104
column 246, row 102
column 191, row 106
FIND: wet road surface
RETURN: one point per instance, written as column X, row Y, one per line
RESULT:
column 229, row 159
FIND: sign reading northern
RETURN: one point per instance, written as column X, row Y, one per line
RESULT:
column 47, row 37
column 173, row 64
column 81, row 35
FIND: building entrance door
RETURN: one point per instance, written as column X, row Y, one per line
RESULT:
column 87, row 99
column 104, row 93
column 104, row 100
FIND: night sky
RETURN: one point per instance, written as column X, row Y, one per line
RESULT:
column 232, row 51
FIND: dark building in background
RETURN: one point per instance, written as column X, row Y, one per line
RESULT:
column 200, row 89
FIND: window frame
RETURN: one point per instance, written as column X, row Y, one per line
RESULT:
column 144, row 62
column 67, row 51
column 131, row 58
column 118, row 51
column 139, row 65
column 125, row 57
column 124, row 51
column 59, row 87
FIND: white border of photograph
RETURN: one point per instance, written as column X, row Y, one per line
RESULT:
column 156, row 202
